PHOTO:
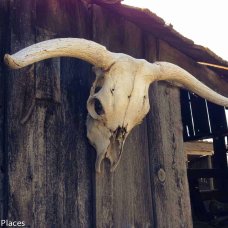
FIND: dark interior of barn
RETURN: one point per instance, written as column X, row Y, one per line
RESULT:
column 207, row 173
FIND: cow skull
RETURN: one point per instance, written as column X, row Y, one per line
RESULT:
column 118, row 98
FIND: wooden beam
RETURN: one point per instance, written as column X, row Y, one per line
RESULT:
column 167, row 159
column 199, row 148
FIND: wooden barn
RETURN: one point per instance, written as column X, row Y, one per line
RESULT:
column 47, row 175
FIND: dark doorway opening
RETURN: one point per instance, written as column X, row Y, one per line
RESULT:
column 205, row 134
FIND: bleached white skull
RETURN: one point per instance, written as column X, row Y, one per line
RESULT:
column 118, row 98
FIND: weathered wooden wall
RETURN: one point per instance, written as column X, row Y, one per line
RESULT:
column 50, row 175
column 4, row 24
column 166, row 143
column 49, row 160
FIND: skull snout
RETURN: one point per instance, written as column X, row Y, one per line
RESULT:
column 120, row 133
column 115, row 148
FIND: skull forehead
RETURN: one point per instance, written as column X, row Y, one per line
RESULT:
column 123, row 95
column 121, row 75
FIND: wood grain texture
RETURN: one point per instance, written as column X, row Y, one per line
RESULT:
column 198, row 148
column 123, row 198
column 68, row 179
column 46, row 136
column 167, row 159
column 50, row 178
column 19, row 94
column 65, row 17
column 4, row 46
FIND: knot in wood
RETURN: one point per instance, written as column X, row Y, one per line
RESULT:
column 161, row 175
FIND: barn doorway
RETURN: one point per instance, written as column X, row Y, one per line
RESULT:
column 206, row 146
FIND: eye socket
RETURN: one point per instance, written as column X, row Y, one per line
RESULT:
column 97, row 89
column 95, row 108
column 98, row 107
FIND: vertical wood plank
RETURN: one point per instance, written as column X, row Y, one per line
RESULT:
column 4, row 44
column 168, row 169
column 19, row 95
column 47, row 72
column 68, row 18
column 46, row 133
column 79, row 160
column 123, row 198
column 67, row 193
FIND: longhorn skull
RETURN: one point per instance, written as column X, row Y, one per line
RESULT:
column 118, row 98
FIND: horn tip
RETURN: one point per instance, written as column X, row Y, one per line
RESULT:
column 11, row 62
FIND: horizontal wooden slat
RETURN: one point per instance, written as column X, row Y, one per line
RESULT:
column 198, row 148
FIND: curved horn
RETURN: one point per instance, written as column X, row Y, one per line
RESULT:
column 89, row 51
column 169, row 71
